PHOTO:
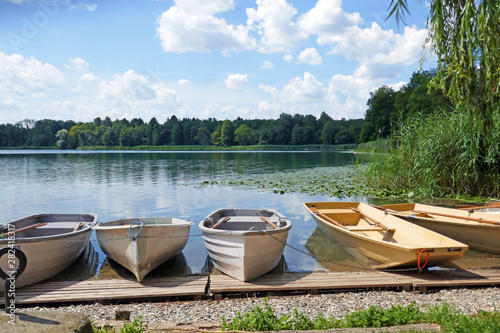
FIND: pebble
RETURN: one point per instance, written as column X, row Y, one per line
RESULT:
column 336, row 305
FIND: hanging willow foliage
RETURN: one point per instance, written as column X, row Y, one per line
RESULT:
column 465, row 35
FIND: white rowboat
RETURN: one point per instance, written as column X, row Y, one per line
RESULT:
column 142, row 244
column 51, row 242
column 245, row 243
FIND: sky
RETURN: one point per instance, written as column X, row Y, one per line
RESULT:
column 254, row 59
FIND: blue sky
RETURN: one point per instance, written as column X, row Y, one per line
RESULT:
column 78, row 60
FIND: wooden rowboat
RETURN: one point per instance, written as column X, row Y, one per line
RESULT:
column 142, row 244
column 480, row 230
column 488, row 207
column 245, row 243
column 51, row 242
column 381, row 240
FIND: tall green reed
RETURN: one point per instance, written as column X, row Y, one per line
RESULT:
column 440, row 155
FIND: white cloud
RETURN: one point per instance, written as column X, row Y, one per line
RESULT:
column 236, row 81
column 166, row 95
column 78, row 64
column 303, row 90
column 378, row 51
column 191, row 25
column 89, row 77
column 288, row 58
column 82, row 5
column 275, row 93
column 184, row 83
column 267, row 64
column 310, row 56
column 327, row 17
column 273, row 22
column 348, row 94
column 270, row 108
column 21, row 75
column 128, row 85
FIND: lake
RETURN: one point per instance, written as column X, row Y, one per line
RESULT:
column 125, row 184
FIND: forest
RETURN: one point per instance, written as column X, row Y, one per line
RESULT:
column 385, row 109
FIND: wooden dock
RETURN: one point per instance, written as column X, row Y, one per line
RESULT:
column 217, row 286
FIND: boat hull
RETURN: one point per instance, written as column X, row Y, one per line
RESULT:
column 160, row 240
column 51, row 248
column 404, row 247
column 245, row 254
column 478, row 235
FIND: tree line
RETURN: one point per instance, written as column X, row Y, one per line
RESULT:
column 385, row 108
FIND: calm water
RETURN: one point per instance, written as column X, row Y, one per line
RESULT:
column 152, row 184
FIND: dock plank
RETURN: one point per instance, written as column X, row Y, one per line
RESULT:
column 307, row 281
column 116, row 289
column 121, row 290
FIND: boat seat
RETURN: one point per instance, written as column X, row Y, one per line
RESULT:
column 335, row 211
column 367, row 228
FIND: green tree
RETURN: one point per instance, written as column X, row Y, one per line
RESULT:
column 418, row 98
column 61, row 137
column 176, row 135
column 328, row 133
column 302, row 135
column 378, row 116
column 227, row 133
column 244, row 135
column 283, row 130
column 465, row 37
column 107, row 138
column 203, row 136
column 127, row 137
column 215, row 138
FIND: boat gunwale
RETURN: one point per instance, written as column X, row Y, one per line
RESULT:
column 444, row 220
column 239, row 233
column 67, row 235
column 103, row 226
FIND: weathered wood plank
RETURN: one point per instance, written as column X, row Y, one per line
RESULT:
column 194, row 286
column 306, row 281
column 100, row 290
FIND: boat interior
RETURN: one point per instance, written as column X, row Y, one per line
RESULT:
column 245, row 223
column 384, row 228
column 147, row 220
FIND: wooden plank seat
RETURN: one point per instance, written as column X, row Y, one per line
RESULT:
column 366, row 228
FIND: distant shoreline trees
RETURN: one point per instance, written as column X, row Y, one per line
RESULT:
column 286, row 130
column 385, row 108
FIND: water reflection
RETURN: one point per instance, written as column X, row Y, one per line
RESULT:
column 177, row 266
column 331, row 256
column 160, row 184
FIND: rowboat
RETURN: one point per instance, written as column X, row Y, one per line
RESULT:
column 142, row 244
column 382, row 240
column 50, row 242
column 480, row 230
column 488, row 207
column 245, row 243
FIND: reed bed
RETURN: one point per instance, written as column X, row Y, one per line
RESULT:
column 442, row 155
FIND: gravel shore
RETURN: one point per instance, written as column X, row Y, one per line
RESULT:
column 337, row 305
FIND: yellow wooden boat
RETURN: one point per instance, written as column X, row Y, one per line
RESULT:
column 478, row 229
column 488, row 207
column 382, row 240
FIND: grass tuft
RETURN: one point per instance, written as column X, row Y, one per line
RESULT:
column 265, row 319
